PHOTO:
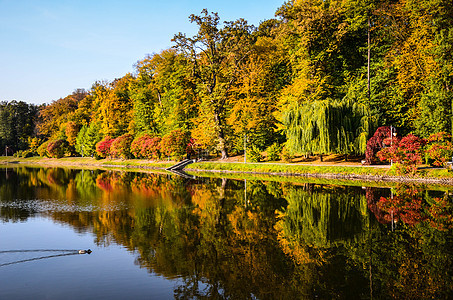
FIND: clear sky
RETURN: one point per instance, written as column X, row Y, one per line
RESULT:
column 49, row 48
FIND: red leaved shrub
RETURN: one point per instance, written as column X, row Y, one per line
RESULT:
column 121, row 147
column 406, row 153
column 137, row 145
column 103, row 147
column 151, row 148
column 439, row 149
column 146, row 146
column 378, row 141
column 175, row 143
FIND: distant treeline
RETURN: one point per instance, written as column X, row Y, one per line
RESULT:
column 319, row 78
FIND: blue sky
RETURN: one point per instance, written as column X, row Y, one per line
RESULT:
column 50, row 48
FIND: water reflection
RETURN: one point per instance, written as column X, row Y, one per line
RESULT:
column 264, row 239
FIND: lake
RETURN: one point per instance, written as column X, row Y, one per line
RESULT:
column 160, row 236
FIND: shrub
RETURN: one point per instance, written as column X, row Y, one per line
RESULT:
column 273, row 152
column 380, row 139
column 103, row 147
column 151, row 148
column 254, row 154
column 286, row 155
column 192, row 147
column 406, row 152
column 25, row 153
column 121, row 147
column 137, row 145
column 57, row 148
column 439, row 149
column 42, row 150
column 33, row 144
column 175, row 143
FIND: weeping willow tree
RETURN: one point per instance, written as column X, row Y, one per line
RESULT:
column 327, row 126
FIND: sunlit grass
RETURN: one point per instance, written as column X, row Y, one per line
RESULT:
column 89, row 161
column 289, row 169
column 236, row 167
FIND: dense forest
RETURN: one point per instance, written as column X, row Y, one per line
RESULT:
column 319, row 78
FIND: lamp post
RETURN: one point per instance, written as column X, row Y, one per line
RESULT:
column 245, row 148
column 392, row 133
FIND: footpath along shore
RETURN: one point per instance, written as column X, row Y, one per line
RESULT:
column 326, row 170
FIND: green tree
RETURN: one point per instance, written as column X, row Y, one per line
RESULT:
column 87, row 138
column 17, row 125
column 325, row 41
column 328, row 127
column 163, row 93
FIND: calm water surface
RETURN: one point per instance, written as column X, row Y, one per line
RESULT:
column 163, row 237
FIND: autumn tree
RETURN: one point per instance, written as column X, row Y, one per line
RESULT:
column 418, row 61
column 53, row 117
column 114, row 106
column 163, row 94
column 261, row 77
column 216, row 54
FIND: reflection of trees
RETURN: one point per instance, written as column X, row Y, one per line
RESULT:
column 325, row 215
column 412, row 261
column 286, row 241
column 313, row 229
column 408, row 263
column 412, row 205
column 16, row 184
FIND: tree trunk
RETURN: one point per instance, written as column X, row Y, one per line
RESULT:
column 221, row 136
column 223, row 149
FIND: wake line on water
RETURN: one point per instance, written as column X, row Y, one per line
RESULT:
column 36, row 258
column 40, row 250
column 69, row 252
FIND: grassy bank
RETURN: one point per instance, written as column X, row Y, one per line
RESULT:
column 89, row 162
column 289, row 169
column 424, row 175
column 326, row 171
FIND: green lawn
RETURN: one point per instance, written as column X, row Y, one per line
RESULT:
column 289, row 169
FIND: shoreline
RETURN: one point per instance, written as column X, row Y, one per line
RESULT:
column 378, row 174
column 339, row 176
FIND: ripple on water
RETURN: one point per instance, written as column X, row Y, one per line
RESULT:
column 46, row 206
